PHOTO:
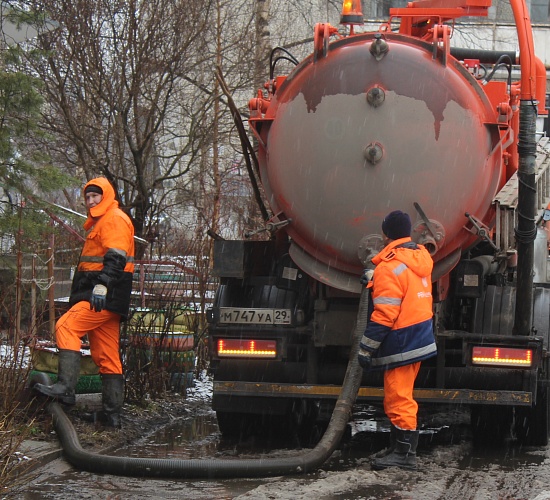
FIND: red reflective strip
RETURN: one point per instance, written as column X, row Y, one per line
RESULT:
column 236, row 348
column 502, row 356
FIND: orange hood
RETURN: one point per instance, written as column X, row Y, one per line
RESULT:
column 108, row 201
column 420, row 263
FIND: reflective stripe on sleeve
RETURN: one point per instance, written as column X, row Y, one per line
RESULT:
column 401, row 268
column 370, row 344
column 390, row 301
column 119, row 251
column 400, row 357
column 90, row 258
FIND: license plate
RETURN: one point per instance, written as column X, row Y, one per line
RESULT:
column 244, row 316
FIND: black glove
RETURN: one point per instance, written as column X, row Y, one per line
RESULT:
column 365, row 359
column 99, row 298
column 366, row 276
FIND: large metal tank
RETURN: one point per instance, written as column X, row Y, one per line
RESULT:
column 356, row 134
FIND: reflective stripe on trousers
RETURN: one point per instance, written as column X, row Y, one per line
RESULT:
column 399, row 404
column 103, row 329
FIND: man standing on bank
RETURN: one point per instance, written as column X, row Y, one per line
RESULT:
column 99, row 300
column 399, row 334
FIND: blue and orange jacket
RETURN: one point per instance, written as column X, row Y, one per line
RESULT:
column 108, row 254
column 400, row 328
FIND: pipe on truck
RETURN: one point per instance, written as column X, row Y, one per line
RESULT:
column 526, row 230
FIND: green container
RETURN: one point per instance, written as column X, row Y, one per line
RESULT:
column 182, row 381
column 178, row 361
column 87, row 384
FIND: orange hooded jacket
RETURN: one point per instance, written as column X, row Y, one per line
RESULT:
column 400, row 329
column 108, row 254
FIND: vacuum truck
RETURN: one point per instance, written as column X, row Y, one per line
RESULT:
column 375, row 121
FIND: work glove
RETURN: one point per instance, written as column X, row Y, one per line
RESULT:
column 99, row 298
column 366, row 276
column 365, row 359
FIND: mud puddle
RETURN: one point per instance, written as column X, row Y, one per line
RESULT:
column 184, row 439
column 449, row 467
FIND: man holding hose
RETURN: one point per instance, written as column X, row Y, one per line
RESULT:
column 399, row 334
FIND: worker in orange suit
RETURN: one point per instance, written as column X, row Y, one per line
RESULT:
column 99, row 300
column 399, row 333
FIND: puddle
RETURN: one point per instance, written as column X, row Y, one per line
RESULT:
column 184, row 439
column 447, row 465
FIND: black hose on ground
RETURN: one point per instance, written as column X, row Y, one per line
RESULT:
column 207, row 468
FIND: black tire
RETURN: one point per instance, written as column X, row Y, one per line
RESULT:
column 233, row 424
column 244, row 426
column 491, row 424
column 532, row 425
column 310, row 428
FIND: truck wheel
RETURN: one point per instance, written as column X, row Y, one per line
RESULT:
column 532, row 424
column 233, row 424
column 311, row 428
column 310, row 436
column 243, row 426
column 491, row 424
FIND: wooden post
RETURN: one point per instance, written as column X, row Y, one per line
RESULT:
column 51, row 294
column 18, row 295
column 33, row 297
column 142, row 283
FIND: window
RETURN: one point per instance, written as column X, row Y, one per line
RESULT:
column 380, row 9
column 540, row 11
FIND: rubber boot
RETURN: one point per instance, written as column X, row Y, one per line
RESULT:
column 113, row 398
column 67, row 376
column 404, row 453
column 393, row 438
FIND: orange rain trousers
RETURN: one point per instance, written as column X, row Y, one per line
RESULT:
column 103, row 329
column 399, row 405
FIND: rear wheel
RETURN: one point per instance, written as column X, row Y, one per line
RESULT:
column 491, row 424
column 299, row 427
column 235, row 424
column 532, row 424
column 528, row 425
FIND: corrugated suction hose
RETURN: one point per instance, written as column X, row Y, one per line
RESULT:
column 219, row 468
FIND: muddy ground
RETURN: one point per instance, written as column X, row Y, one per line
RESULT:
column 449, row 465
column 137, row 419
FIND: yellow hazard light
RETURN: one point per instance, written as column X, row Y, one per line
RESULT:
column 352, row 12
column 234, row 348
column 502, row 356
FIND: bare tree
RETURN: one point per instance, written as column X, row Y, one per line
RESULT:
column 131, row 95
column 117, row 103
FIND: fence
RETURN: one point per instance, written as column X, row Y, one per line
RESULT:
column 166, row 326
column 164, row 330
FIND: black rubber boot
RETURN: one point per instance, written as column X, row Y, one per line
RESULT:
column 393, row 437
column 67, row 376
column 113, row 398
column 404, row 453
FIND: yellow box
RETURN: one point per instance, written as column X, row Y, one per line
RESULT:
column 45, row 359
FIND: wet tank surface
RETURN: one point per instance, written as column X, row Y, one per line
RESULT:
column 449, row 466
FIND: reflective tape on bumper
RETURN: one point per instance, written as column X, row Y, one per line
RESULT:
column 451, row 396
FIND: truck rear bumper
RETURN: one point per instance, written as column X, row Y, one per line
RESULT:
column 235, row 390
